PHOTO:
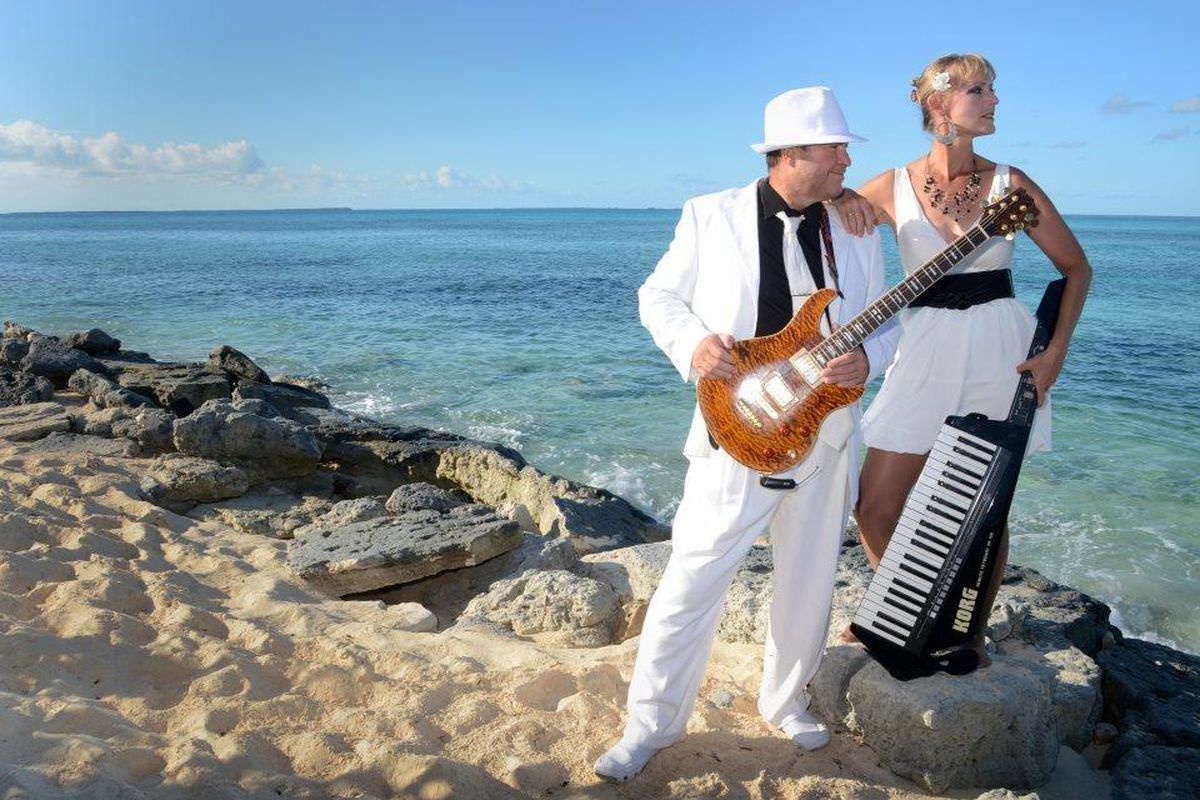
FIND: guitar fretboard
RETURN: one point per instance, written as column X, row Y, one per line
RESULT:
column 852, row 334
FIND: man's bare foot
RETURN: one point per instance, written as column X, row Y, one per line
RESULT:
column 847, row 636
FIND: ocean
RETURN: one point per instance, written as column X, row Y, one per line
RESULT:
column 520, row 327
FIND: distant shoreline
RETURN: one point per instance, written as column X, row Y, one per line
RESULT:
column 321, row 210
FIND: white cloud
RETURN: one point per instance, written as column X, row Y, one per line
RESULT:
column 1174, row 133
column 38, row 148
column 446, row 178
column 1120, row 104
column 36, row 156
column 1188, row 105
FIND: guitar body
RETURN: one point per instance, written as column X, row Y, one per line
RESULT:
column 766, row 416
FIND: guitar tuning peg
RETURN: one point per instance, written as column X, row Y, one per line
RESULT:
column 1010, row 236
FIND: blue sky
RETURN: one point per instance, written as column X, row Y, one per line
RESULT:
column 174, row 105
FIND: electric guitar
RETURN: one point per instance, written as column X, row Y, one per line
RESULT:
column 766, row 415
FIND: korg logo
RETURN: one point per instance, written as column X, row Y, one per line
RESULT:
column 966, row 607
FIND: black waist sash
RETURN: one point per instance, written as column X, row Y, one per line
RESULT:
column 963, row 291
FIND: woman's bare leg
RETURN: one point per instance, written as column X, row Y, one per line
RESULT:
column 884, row 485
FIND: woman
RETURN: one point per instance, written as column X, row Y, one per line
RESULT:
column 954, row 360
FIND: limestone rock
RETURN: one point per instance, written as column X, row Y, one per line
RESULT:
column 1077, row 697
column 271, row 511
column 1153, row 692
column 595, row 519
column 98, row 423
column 12, row 351
column 420, row 495
column 22, row 388
column 152, row 428
column 379, row 456
column 82, row 444
column 26, row 423
column 93, row 342
column 179, row 482
column 50, row 358
column 448, row 593
column 569, row 609
column 237, row 364
column 413, row 617
column 1105, row 733
column 345, row 513
column 180, row 387
column 830, row 686
column 1059, row 612
column 303, row 381
column 271, row 447
column 392, row 550
column 105, row 392
column 1007, row 620
column 634, row 574
column 1157, row 771
column 994, row 727
column 12, row 330
column 291, row 401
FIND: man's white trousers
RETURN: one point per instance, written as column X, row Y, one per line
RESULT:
column 723, row 511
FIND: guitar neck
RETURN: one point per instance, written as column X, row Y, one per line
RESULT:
column 1024, row 402
column 852, row 334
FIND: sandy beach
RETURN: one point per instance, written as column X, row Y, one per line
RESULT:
column 150, row 655
column 213, row 584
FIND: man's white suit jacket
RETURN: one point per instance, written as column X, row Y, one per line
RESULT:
column 707, row 282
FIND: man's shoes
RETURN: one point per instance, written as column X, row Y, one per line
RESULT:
column 623, row 760
column 806, row 730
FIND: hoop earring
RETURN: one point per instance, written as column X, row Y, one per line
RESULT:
column 951, row 133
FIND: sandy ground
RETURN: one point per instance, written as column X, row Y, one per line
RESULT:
column 148, row 655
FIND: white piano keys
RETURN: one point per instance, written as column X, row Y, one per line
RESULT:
column 901, row 592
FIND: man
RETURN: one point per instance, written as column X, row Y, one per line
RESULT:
column 741, row 263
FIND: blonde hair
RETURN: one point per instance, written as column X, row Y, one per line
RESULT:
column 960, row 67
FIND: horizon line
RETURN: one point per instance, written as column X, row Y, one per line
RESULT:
column 320, row 209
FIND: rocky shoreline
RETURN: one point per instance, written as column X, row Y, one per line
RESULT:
column 453, row 542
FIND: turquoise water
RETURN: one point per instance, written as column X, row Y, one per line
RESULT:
column 521, row 327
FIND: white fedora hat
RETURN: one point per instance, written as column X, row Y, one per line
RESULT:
column 804, row 116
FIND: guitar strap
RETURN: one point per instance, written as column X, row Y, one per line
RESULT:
column 830, row 262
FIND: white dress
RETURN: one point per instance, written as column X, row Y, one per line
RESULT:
column 949, row 361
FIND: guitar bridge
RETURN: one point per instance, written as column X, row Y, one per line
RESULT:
column 748, row 414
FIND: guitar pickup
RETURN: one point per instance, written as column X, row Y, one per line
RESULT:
column 778, row 390
column 808, row 368
column 753, row 394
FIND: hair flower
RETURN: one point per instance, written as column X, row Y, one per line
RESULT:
column 941, row 81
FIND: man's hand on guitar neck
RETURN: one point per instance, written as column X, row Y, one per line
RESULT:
column 711, row 359
column 848, row 370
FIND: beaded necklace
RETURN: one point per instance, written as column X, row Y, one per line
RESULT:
column 958, row 204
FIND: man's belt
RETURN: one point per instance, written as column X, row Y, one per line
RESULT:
column 966, row 290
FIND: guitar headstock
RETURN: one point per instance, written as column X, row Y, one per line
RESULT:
column 1013, row 212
